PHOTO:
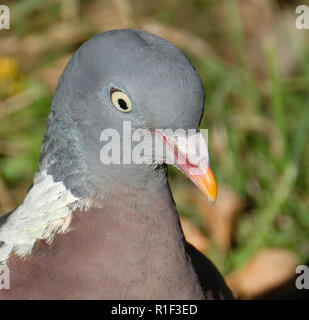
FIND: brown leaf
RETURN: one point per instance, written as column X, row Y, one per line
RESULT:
column 220, row 217
column 267, row 270
column 194, row 236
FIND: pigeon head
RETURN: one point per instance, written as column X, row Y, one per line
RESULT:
column 121, row 81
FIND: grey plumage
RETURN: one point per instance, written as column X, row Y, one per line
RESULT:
column 136, row 220
column 164, row 88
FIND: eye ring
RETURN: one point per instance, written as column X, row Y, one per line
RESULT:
column 120, row 100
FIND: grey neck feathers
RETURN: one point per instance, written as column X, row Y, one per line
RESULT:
column 69, row 157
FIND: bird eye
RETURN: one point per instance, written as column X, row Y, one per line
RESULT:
column 121, row 101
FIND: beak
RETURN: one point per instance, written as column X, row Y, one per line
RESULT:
column 207, row 184
column 189, row 153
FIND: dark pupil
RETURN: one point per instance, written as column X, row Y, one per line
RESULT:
column 122, row 104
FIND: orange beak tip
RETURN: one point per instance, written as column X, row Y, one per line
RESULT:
column 211, row 186
column 208, row 185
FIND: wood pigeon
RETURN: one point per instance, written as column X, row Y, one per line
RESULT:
column 95, row 225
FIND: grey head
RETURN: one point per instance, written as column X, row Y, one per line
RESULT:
column 164, row 90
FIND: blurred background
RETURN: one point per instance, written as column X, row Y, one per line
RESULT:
column 254, row 64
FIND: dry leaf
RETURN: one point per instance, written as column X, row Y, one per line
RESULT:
column 267, row 270
column 194, row 236
column 220, row 217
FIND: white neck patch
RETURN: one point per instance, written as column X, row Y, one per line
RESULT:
column 46, row 211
